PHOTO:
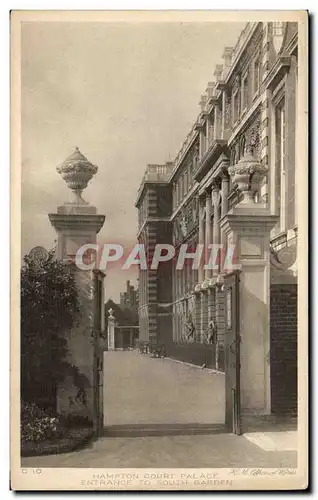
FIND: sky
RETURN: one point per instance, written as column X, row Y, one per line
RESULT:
column 127, row 95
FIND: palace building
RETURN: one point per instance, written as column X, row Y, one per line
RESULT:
column 239, row 158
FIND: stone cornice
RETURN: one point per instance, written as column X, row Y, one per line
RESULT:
column 218, row 147
column 212, row 102
column 221, row 85
column 199, row 124
column 218, row 170
column 77, row 222
column 149, row 220
column 292, row 44
column 147, row 183
column 247, row 220
column 238, row 55
column 277, row 72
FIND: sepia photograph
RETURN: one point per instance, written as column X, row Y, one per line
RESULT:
column 159, row 271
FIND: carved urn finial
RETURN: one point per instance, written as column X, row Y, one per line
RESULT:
column 77, row 171
column 247, row 174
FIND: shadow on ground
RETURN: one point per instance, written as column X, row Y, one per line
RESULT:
column 147, row 430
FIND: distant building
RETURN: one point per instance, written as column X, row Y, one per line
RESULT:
column 129, row 298
column 126, row 324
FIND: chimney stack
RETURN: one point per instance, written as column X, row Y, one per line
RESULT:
column 227, row 58
column 218, row 72
column 210, row 89
column 203, row 101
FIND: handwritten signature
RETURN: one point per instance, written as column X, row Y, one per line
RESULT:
column 263, row 472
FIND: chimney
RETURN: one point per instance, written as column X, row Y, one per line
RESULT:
column 227, row 56
column 210, row 89
column 203, row 101
column 218, row 72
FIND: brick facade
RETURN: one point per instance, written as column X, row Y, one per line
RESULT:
column 283, row 351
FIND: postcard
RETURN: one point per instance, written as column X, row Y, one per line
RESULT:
column 159, row 331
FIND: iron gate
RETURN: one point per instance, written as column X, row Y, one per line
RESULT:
column 232, row 353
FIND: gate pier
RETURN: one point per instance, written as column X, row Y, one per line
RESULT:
column 77, row 223
column 248, row 227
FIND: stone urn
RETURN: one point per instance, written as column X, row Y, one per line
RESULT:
column 247, row 174
column 205, row 286
column 77, row 171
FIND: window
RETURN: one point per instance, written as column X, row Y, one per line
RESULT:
column 190, row 174
column 181, row 188
column 161, row 169
column 278, row 29
column 185, row 182
column 236, row 105
column 242, row 147
column 280, row 163
column 204, row 142
column 256, row 73
column 211, row 128
column 245, row 92
column 278, row 36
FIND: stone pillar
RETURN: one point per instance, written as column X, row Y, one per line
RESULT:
column 208, row 233
column 201, row 239
column 217, row 122
column 226, row 114
column 197, row 318
column 131, row 338
column 217, row 119
column 77, row 223
column 248, row 227
column 204, row 313
column 202, row 143
column 111, row 331
column 225, row 192
column 211, row 302
column 224, row 209
column 216, row 223
column 207, row 132
column 223, row 121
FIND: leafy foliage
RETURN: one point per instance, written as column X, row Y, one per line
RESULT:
column 38, row 424
column 50, row 306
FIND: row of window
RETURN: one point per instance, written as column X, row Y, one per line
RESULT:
column 142, row 211
column 184, row 280
column 248, row 87
column 143, row 287
column 183, row 183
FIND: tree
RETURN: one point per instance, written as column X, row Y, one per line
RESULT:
column 50, row 306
